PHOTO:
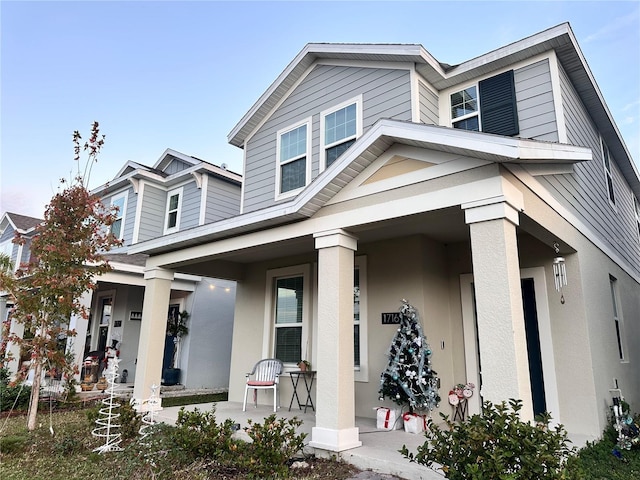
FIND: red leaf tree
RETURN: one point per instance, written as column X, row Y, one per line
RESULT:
column 66, row 259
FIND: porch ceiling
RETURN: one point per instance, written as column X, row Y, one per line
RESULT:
column 445, row 226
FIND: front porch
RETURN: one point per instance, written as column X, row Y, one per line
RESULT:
column 379, row 450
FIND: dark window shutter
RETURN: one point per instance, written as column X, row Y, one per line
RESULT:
column 498, row 110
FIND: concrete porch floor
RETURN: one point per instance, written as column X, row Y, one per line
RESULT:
column 378, row 453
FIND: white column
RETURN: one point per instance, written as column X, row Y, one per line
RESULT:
column 13, row 349
column 152, row 331
column 335, row 428
column 76, row 344
column 498, row 292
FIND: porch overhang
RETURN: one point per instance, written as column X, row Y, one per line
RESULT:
column 380, row 137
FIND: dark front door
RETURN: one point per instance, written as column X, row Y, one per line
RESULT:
column 533, row 346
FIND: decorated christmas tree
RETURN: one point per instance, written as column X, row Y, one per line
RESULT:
column 408, row 378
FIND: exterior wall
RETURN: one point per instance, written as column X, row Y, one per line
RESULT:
column 153, row 212
column 129, row 214
column 190, row 215
column 207, row 349
column 176, row 166
column 535, row 103
column 429, row 109
column 7, row 236
column 223, row 200
column 386, row 94
column 584, row 192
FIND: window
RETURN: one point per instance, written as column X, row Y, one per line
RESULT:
column 617, row 320
column 464, row 109
column 360, row 348
column 340, row 126
column 490, row 107
column 636, row 206
column 117, row 227
column 172, row 219
column 294, row 167
column 606, row 160
column 286, row 322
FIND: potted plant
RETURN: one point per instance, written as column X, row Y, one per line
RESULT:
column 176, row 329
column 304, row 365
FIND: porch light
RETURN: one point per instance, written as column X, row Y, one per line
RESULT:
column 559, row 272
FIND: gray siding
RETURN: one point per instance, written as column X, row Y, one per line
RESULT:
column 386, row 94
column 429, row 109
column 176, row 166
column 130, row 217
column 223, row 200
column 585, row 192
column 152, row 213
column 536, row 112
column 190, row 215
column 26, row 251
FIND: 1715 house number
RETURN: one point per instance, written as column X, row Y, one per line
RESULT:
column 391, row 318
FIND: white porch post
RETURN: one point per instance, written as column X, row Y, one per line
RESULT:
column 501, row 330
column 152, row 331
column 13, row 349
column 76, row 344
column 335, row 428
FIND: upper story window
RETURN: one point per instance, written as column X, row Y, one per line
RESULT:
column 294, row 158
column 608, row 172
column 117, row 227
column 172, row 218
column 490, row 106
column 339, row 127
column 617, row 318
column 464, row 109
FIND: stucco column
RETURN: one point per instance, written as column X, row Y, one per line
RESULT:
column 498, row 293
column 152, row 331
column 335, row 428
column 76, row 344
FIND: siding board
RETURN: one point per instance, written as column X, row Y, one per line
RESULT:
column 536, row 110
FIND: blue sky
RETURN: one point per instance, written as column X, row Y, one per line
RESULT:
column 180, row 75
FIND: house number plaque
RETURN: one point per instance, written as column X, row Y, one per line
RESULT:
column 393, row 318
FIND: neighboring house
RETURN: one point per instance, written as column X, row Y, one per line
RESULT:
column 177, row 194
column 10, row 224
column 453, row 187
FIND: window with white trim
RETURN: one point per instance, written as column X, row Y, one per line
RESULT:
column 608, row 171
column 294, row 158
column 464, row 109
column 360, row 347
column 490, row 106
column 617, row 318
column 117, row 227
column 340, row 126
column 172, row 216
column 287, row 321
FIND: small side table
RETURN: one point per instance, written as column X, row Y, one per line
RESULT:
column 308, row 377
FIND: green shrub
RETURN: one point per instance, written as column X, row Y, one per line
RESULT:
column 130, row 421
column 198, row 435
column 13, row 444
column 16, row 398
column 497, row 444
column 274, row 444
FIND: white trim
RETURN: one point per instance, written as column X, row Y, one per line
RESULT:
column 242, row 185
column 556, row 92
column 357, row 100
column 176, row 191
column 136, row 225
column 124, row 195
column 415, row 95
column 204, row 190
column 465, row 86
column 268, row 337
column 608, row 172
column 552, row 398
column 307, row 155
column 95, row 327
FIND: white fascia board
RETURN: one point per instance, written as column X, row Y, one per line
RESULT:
column 133, row 165
column 174, row 153
column 187, row 277
column 126, row 267
column 130, row 177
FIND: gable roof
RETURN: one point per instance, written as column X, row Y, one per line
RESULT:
column 20, row 223
column 559, row 38
column 133, row 171
column 359, row 156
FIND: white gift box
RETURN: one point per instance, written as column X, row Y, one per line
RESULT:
column 414, row 423
column 388, row 418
